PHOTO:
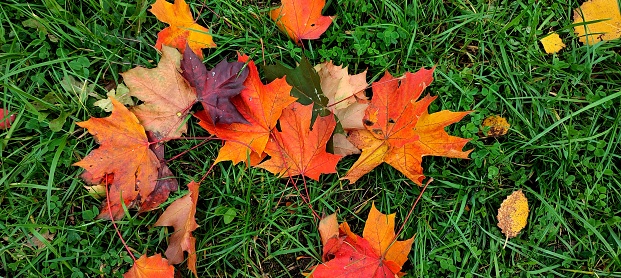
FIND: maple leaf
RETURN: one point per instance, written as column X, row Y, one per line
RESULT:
column 182, row 30
column 301, row 19
column 513, row 214
column 166, row 182
column 306, row 85
column 345, row 93
column 297, row 150
column 342, row 146
column 399, row 131
column 608, row 27
column 216, row 87
column 376, row 254
column 180, row 215
column 150, row 267
column 124, row 152
column 166, row 95
column 6, row 118
column 261, row 105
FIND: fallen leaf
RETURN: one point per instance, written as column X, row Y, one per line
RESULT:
column 513, row 214
column 498, row 126
column 298, row 150
column 345, row 93
column 180, row 215
column 182, row 30
column 167, row 97
column 121, row 94
column 124, row 152
column 166, row 181
column 73, row 86
column 306, row 85
column 342, row 146
column 608, row 27
column 150, row 267
column 301, row 19
column 216, row 87
column 399, row 130
column 6, row 118
column 377, row 254
column 36, row 242
column 552, row 43
column 261, row 105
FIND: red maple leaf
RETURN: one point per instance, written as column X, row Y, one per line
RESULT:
column 298, row 150
column 377, row 254
column 301, row 19
column 261, row 105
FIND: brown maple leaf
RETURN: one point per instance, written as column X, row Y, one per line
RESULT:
column 400, row 131
column 298, row 150
column 301, row 19
column 124, row 152
column 150, row 267
column 182, row 30
column 166, row 95
column 377, row 254
column 261, row 105
column 180, row 215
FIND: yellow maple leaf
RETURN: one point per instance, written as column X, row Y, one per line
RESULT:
column 552, row 43
column 182, row 30
column 607, row 15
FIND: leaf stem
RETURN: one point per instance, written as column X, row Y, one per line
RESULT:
column 113, row 223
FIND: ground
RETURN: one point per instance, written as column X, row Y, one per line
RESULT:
column 563, row 148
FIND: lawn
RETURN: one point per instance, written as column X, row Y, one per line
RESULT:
column 57, row 57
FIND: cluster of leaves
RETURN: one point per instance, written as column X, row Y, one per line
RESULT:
column 286, row 127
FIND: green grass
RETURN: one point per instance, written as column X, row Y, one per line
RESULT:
column 563, row 148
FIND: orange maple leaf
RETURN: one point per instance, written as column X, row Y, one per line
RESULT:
column 182, row 30
column 150, row 267
column 180, row 215
column 301, row 19
column 166, row 95
column 377, row 254
column 124, row 152
column 261, row 105
column 297, row 150
column 400, row 131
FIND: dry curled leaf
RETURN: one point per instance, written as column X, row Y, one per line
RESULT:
column 513, row 214
column 498, row 126
column 607, row 15
column 181, row 216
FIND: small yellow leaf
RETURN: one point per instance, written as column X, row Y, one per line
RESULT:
column 552, row 43
column 513, row 214
column 498, row 126
column 608, row 27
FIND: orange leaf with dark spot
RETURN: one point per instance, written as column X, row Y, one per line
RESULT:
column 182, row 30
column 180, row 215
column 124, row 152
column 150, row 267
column 377, row 254
column 261, row 105
column 400, row 131
column 298, row 150
column 301, row 19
